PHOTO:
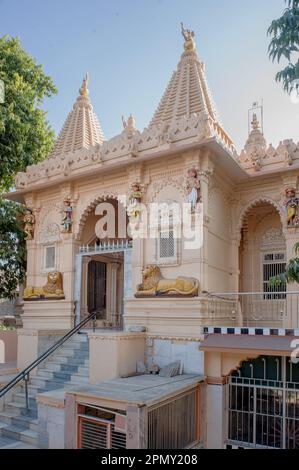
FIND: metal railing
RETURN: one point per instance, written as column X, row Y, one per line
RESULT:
column 24, row 374
column 107, row 246
column 256, row 309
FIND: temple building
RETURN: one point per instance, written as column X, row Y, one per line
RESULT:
column 167, row 335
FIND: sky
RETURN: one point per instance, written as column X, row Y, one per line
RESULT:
column 131, row 47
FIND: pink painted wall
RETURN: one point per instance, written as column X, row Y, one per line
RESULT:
column 8, row 346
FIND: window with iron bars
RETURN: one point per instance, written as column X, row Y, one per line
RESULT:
column 263, row 404
column 273, row 264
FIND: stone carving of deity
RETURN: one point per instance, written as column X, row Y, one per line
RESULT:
column 67, row 220
column 192, row 187
column 129, row 125
column 135, row 199
column 29, row 223
column 291, row 204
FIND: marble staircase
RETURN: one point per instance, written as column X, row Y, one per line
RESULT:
column 67, row 367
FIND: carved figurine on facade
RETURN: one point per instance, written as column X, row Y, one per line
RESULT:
column 188, row 35
column 135, row 198
column 29, row 223
column 154, row 285
column 192, row 187
column 129, row 125
column 52, row 290
column 291, row 204
column 67, row 220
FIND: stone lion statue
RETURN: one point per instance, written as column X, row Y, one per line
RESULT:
column 153, row 284
column 52, row 290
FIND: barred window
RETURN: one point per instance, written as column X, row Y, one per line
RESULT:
column 50, row 257
column 167, row 244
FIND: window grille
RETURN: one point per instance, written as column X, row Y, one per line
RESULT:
column 263, row 404
column 175, row 424
column 50, row 257
column 273, row 264
column 99, row 433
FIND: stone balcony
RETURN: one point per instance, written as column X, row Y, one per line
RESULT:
column 188, row 317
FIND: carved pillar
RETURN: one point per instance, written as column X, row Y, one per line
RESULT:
column 111, row 315
column 291, row 319
column 204, row 274
column 84, row 287
column 216, row 424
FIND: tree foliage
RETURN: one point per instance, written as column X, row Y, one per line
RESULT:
column 12, row 248
column 25, row 138
column 291, row 274
column 285, row 44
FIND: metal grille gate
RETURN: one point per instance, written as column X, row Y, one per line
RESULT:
column 262, row 412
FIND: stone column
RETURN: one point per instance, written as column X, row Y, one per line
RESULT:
column 204, row 275
column 77, row 287
column 137, row 428
column 128, row 290
column 215, row 412
column 84, row 287
column 31, row 270
column 291, row 320
column 111, row 316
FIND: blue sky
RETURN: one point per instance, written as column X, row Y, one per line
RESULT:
column 131, row 47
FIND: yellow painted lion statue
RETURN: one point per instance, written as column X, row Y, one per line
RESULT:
column 52, row 290
column 153, row 284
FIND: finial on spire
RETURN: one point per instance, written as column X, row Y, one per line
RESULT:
column 84, row 87
column 188, row 35
column 255, row 123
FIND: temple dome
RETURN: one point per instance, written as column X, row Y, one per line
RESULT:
column 81, row 129
column 187, row 92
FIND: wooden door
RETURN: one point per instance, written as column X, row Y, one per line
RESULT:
column 96, row 286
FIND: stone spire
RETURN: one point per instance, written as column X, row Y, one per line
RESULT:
column 187, row 92
column 81, row 129
column 256, row 142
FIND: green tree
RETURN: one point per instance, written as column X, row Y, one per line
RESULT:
column 291, row 273
column 25, row 138
column 285, row 44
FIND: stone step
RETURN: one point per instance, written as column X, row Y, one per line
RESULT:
column 83, row 370
column 61, row 367
column 41, row 383
column 20, row 407
column 76, row 353
column 19, row 397
column 51, row 374
column 67, row 360
column 79, row 378
column 20, row 434
column 64, row 369
column 15, row 419
column 7, row 443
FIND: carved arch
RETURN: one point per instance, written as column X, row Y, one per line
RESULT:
column 158, row 187
column 89, row 207
column 250, row 205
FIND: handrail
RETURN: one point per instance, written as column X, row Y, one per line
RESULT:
column 217, row 294
column 24, row 374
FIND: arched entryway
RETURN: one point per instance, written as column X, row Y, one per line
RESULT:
column 103, row 262
column 263, row 404
column 262, row 255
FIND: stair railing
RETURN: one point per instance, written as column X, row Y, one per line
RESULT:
column 24, row 374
